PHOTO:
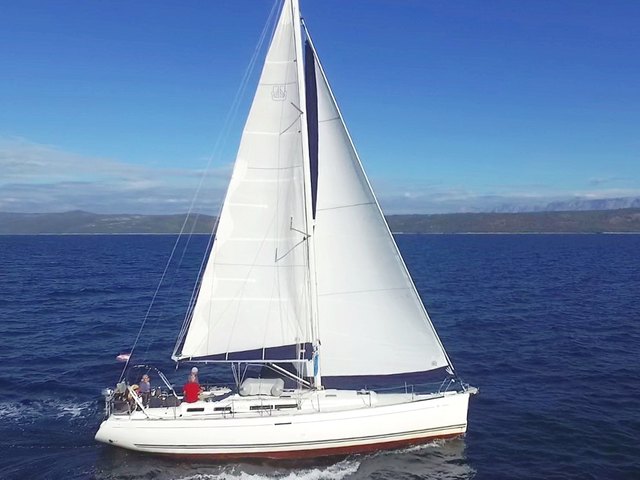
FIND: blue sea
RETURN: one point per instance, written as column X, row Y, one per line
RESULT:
column 547, row 326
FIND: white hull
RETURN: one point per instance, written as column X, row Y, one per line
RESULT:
column 271, row 427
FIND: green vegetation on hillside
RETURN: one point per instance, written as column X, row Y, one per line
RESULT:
column 593, row 221
column 79, row 222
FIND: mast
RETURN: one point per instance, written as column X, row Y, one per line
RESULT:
column 309, row 220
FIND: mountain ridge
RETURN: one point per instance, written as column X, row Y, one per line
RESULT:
column 573, row 204
column 626, row 220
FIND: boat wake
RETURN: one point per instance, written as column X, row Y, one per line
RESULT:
column 337, row 471
column 424, row 446
column 438, row 459
column 75, row 410
column 31, row 411
column 117, row 465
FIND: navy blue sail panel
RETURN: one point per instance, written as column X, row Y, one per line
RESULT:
column 312, row 120
column 435, row 377
column 275, row 354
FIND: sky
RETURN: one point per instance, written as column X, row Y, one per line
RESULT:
column 133, row 107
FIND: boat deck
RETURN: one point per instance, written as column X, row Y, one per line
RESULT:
column 291, row 402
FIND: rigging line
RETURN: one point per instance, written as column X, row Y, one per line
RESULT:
column 345, row 206
column 274, row 168
column 280, row 257
column 231, row 115
column 371, row 290
column 294, row 122
column 291, row 227
column 287, row 373
column 173, row 282
column 329, row 119
column 146, row 316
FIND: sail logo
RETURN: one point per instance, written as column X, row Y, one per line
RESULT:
column 279, row 93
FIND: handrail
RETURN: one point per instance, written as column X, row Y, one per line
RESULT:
column 430, row 387
column 138, row 400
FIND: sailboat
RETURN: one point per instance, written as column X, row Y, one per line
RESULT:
column 305, row 281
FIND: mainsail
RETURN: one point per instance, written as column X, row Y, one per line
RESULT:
column 303, row 258
column 253, row 300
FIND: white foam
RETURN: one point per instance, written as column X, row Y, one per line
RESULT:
column 74, row 410
column 423, row 446
column 10, row 411
column 337, row 471
column 37, row 410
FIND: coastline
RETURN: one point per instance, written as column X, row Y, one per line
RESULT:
column 592, row 222
column 122, row 234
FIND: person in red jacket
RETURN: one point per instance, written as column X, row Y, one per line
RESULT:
column 191, row 390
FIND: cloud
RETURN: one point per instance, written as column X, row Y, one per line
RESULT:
column 600, row 181
column 44, row 178
column 401, row 198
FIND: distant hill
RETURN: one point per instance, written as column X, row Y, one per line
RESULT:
column 575, row 204
column 594, row 204
column 80, row 222
column 594, row 221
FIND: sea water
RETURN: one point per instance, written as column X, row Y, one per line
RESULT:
column 548, row 326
